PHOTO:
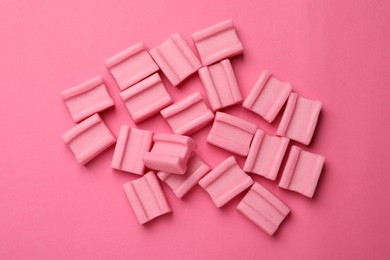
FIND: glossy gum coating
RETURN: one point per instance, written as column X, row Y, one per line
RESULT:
column 146, row 197
column 130, row 146
column 231, row 133
column 146, row 98
column 266, row 154
column 263, row 208
column 188, row 115
column 217, row 42
column 225, row 181
column 220, row 84
column 302, row 171
column 88, row 138
column 131, row 65
column 87, row 99
column 299, row 119
column 176, row 59
column 267, row 96
column 169, row 153
column 183, row 183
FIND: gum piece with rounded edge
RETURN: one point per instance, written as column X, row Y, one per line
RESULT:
column 231, row 133
column 302, row 171
column 263, row 208
column 130, row 147
column 146, row 98
column 220, row 84
column 88, row 138
column 217, row 42
column 299, row 119
column 87, row 99
column 183, row 183
column 267, row 96
column 131, row 65
column 146, row 197
column 176, row 59
column 169, row 153
column 266, row 154
column 225, row 181
column 188, row 115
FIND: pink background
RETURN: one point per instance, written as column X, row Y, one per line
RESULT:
column 53, row 208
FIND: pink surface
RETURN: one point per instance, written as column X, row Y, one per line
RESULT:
column 131, row 145
column 188, row 115
column 53, row 208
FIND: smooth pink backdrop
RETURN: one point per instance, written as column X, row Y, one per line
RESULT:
column 53, row 208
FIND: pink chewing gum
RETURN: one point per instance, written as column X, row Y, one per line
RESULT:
column 169, row 153
column 146, row 98
column 176, row 59
column 217, row 42
column 302, row 171
column 188, row 115
column 87, row 99
column 231, row 133
column 131, row 66
column 129, row 149
column 146, row 197
column 263, row 208
column 220, row 84
column 88, row 138
column 299, row 119
column 183, row 183
column 225, row 181
column 266, row 154
column 267, row 96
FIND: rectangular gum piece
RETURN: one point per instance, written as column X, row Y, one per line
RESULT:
column 88, row 138
column 87, row 99
column 169, row 153
column 146, row 197
column 302, row 171
column 146, row 98
column 267, row 96
column 188, row 115
column 231, row 133
column 217, row 42
column 225, row 181
column 129, row 149
column 299, row 119
column 131, row 65
column 220, row 84
column 176, row 59
column 181, row 184
column 266, row 154
column 263, row 208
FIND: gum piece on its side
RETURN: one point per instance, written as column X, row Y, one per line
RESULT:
column 220, row 84
column 169, row 153
column 146, row 197
column 176, row 59
column 146, row 98
column 87, row 99
column 302, row 171
column 263, row 208
column 217, row 42
column 188, row 115
column 131, row 65
column 225, row 181
column 88, row 138
column 130, row 146
column 299, row 119
column 266, row 154
column 231, row 133
column 181, row 184
column 267, row 96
